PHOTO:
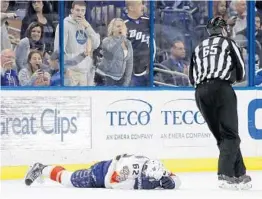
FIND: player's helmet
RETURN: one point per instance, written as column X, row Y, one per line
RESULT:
column 216, row 26
column 154, row 169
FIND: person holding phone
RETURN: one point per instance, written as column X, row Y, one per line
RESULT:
column 35, row 73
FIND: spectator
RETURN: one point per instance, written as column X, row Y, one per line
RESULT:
column 54, row 64
column 176, row 62
column 5, row 41
column 55, row 79
column 220, row 9
column 241, row 20
column 117, row 61
column 35, row 73
column 32, row 41
column 40, row 11
column 258, row 31
column 8, row 74
column 78, row 34
column 139, row 34
column 241, row 39
column 258, row 78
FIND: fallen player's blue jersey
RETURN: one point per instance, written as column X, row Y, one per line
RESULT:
column 125, row 172
column 120, row 173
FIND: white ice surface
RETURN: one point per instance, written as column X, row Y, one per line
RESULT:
column 194, row 185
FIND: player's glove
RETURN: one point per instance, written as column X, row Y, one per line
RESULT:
column 143, row 182
column 167, row 182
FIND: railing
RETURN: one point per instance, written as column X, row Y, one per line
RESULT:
column 174, row 74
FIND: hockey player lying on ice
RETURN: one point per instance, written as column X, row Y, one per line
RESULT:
column 123, row 172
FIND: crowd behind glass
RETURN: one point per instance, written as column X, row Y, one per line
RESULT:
column 107, row 43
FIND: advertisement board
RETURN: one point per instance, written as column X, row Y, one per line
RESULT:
column 173, row 121
column 258, row 123
column 84, row 126
column 40, row 122
column 254, row 113
column 170, row 127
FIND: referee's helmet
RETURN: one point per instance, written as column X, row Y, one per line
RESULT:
column 217, row 26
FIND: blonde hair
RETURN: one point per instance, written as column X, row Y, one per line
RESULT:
column 111, row 26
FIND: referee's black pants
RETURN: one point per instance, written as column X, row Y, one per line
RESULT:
column 217, row 102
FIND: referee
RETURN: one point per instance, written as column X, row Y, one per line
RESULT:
column 216, row 64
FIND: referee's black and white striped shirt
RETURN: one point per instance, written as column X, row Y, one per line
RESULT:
column 216, row 57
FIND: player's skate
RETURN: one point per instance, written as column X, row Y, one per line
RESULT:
column 226, row 182
column 244, row 182
column 34, row 173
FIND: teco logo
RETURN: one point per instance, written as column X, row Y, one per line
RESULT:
column 131, row 112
